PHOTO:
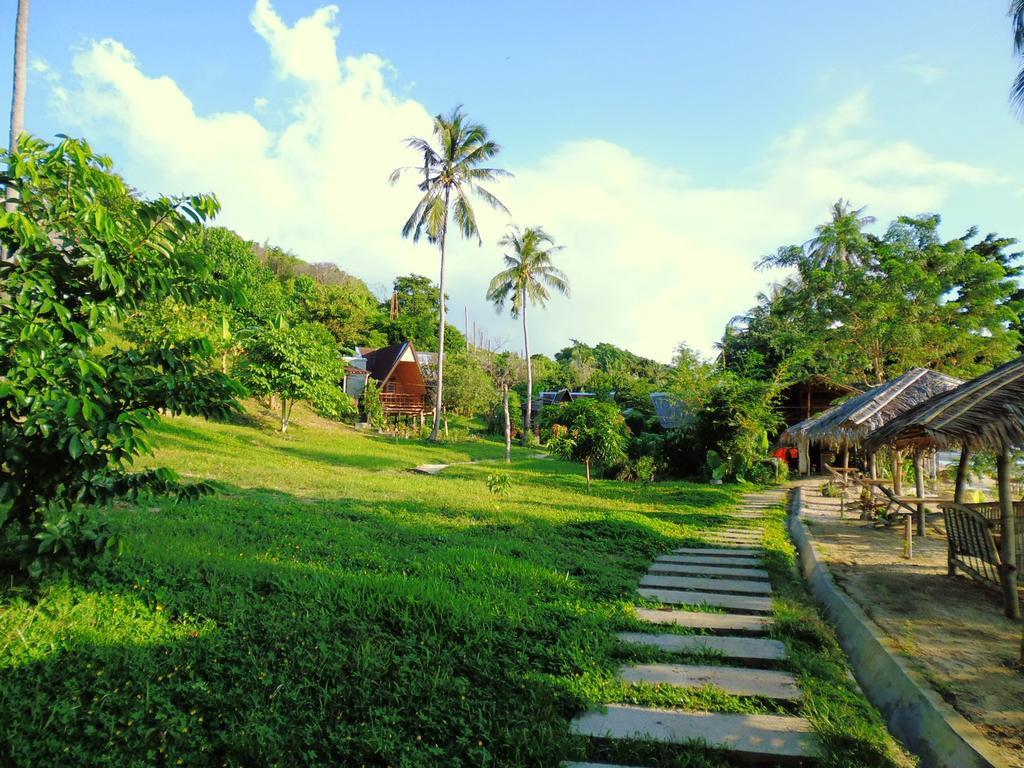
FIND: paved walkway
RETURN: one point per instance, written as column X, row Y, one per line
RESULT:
column 686, row 582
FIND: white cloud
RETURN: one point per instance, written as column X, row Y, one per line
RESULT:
column 921, row 70
column 655, row 256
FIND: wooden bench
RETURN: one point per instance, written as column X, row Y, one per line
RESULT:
column 991, row 511
column 972, row 547
column 841, row 479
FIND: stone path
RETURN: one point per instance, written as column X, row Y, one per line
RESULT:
column 703, row 581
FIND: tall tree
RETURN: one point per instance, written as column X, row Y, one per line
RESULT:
column 18, row 91
column 452, row 171
column 529, row 273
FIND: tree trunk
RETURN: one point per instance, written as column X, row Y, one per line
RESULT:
column 20, row 74
column 919, row 487
column 529, row 380
column 1008, row 536
column 897, row 472
column 284, row 415
column 961, row 475
column 17, row 97
column 586, row 462
column 434, row 438
column 508, row 424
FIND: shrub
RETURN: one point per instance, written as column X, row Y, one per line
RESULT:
column 85, row 254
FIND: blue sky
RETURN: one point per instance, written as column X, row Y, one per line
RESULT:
column 666, row 144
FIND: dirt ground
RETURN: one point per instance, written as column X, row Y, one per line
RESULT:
column 952, row 630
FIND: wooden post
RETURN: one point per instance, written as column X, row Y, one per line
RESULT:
column 873, row 466
column 897, row 472
column 961, row 474
column 845, row 482
column 1008, row 535
column 919, row 487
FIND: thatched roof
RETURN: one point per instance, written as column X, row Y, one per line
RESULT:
column 851, row 421
column 985, row 412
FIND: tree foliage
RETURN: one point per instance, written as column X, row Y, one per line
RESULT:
column 74, row 409
column 296, row 364
column 890, row 303
column 587, row 431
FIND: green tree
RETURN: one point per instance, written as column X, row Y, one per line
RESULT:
column 470, row 390
column 504, row 370
column 293, row 364
column 908, row 299
column 74, row 409
column 587, row 431
column 528, row 275
column 451, row 173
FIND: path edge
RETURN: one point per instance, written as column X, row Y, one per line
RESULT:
column 914, row 712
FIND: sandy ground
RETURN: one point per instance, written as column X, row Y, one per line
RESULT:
column 951, row 629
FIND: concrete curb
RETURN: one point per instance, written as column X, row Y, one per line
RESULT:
column 916, row 714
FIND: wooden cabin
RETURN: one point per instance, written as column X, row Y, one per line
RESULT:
column 396, row 369
column 809, row 397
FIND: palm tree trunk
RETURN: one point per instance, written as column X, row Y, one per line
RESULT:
column 586, row 462
column 17, row 97
column 529, row 380
column 508, row 424
column 434, row 438
column 20, row 73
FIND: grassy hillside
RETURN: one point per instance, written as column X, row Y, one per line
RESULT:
column 329, row 608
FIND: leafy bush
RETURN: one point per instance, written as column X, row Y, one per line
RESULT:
column 373, row 408
column 74, row 409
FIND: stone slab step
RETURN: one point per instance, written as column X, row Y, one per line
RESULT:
column 741, row 681
column 710, row 571
column 731, row 562
column 738, row 603
column 725, row 586
column 755, row 552
column 762, row 739
column 729, row 623
column 745, row 649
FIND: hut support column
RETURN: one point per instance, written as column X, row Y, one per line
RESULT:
column 1008, row 548
column 919, row 487
column 873, row 466
column 897, row 472
column 961, row 475
column 804, row 455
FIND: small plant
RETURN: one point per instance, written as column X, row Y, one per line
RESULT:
column 718, row 467
column 372, row 405
column 499, row 483
column 829, row 490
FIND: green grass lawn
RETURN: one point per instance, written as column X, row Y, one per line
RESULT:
column 327, row 607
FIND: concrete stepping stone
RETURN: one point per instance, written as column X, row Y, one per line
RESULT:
column 726, row 586
column 742, row 649
column 719, row 551
column 595, row 765
column 429, row 469
column 730, row 623
column 741, row 681
column 731, row 562
column 759, row 739
column 741, row 603
column 710, row 571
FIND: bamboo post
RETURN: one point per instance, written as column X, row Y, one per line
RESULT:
column 1008, row 536
column 897, row 472
column 919, row 488
column 873, row 466
column 845, row 481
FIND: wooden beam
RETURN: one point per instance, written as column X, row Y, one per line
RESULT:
column 1008, row 535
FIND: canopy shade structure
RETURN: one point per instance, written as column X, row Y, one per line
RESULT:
column 987, row 412
column 849, row 423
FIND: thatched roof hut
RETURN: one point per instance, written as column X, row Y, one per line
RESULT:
column 987, row 412
column 850, row 422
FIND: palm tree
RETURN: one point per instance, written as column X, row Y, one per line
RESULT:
column 527, row 276
column 840, row 241
column 20, row 81
column 451, row 171
column 1017, row 16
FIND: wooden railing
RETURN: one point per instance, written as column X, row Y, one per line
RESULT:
column 400, row 402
